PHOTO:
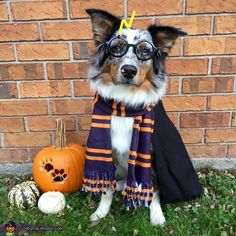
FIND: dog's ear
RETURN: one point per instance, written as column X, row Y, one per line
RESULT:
column 104, row 25
column 164, row 36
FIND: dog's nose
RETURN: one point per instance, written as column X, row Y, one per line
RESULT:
column 128, row 71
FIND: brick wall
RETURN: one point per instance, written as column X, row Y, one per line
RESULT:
column 44, row 48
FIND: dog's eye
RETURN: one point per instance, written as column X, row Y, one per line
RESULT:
column 116, row 48
column 145, row 51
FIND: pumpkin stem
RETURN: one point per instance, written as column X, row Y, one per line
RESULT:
column 61, row 133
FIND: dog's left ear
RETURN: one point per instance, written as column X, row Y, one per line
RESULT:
column 164, row 36
column 104, row 25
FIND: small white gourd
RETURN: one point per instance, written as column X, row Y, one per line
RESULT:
column 51, row 202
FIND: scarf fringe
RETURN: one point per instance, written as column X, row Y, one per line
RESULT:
column 135, row 195
column 96, row 182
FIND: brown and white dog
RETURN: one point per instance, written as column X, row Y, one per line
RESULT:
column 129, row 69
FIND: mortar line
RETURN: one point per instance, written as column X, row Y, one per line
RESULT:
column 71, row 51
column 212, row 25
column 184, row 7
column 226, row 151
column 67, row 9
column 8, row 5
column 2, row 141
column 209, row 65
column 72, row 89
column 18, row 89
column 125, row 8
column 26, row 124
column 40, row 32
column 15, row 53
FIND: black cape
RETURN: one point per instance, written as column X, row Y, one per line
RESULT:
column 176, row 177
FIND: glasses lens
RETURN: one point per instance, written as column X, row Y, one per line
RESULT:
column 118, row 47
column 144, row 50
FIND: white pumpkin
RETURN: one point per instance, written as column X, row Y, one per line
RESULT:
column 24, row 195
column 51, row 202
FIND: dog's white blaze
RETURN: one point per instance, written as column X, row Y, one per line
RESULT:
column 121, row 133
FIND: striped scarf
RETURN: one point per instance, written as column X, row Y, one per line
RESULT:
column 99, row 168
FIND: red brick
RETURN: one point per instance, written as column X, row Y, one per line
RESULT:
column 187, row 66
column 77, row 7
column 6, row 52
column 208, row 85
column 225, row 25
column 3, row 12
column 76, row 106
column 82, row 88
column 224, row 65
column 38, row 10
column 174, row 118
column 19, row 32
column 27, row 140
column 234, row 119
column 191, row 135
column 232, row 151
column 209, row 6
column 13, row 155
column 221, row 102
column 220, row 135
column 173, row 86
column 176, row 49
column 73, row 70
column 11, row 125
column 201, row 120
column 21, row 72
column 8, row 90
column 42, row 51
column 83, row 50
column 184, row 103
column 193, row 25
column 16, row 108
column 141, row 23
column 206, row 151
column 49, row 123
column 210, row 46
column 79, row 137
column 66, row 31
column 33, row 153
column 84, row 122
column 155, row 7
column 45, row 89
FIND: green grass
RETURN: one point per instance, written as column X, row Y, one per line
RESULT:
column 213, row 214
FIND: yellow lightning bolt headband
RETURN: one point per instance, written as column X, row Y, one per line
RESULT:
column 127, row 25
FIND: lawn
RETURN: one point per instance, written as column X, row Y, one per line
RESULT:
column 214, row 214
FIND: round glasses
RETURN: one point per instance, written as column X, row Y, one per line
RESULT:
column 118, row 47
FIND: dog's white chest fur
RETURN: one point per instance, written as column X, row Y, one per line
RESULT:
column 121, row 134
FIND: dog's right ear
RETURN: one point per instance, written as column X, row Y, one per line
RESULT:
column 104, row 25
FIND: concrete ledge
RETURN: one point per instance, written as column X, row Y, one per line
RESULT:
column 214, row 163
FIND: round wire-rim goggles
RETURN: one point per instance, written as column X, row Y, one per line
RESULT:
column 118, row 47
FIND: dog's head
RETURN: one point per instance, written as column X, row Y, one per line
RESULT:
column 130, row 67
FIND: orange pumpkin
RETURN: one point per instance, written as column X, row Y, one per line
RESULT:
column 60, row 167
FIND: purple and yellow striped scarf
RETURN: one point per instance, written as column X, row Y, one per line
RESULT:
column 99, row 168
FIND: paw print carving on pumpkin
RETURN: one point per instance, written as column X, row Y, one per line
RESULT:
column 58, row 175
column 46, row 164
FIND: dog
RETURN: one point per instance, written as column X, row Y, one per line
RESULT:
column 129, row 68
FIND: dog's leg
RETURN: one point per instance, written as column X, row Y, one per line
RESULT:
column 104, row 206
column 156, row 214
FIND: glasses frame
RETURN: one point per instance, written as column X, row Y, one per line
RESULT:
column 128, row 46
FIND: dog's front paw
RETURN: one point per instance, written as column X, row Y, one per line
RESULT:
column 98, row 214
column 157, row 218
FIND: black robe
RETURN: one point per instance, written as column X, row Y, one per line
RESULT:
column 176, row 177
